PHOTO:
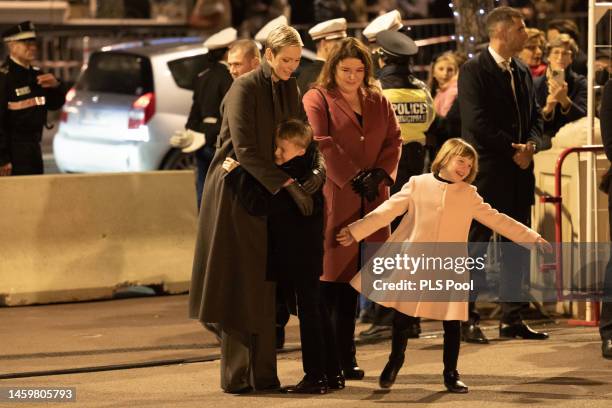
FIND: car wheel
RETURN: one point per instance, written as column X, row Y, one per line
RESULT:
column 177, row 160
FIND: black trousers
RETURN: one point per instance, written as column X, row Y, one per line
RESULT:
column 605, row 320
column 340, row 300
column 26, row 158
column 319, row 349
column 511, row 279
column 452, row 337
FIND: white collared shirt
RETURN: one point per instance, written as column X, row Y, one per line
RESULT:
column 499, row 60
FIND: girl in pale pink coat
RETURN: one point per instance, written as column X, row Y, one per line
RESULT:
column 438, row 207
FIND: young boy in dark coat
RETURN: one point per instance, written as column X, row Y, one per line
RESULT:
column 295, row 248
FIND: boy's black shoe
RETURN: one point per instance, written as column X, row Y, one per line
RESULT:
column 471, row 333
column 336, row 382
column 452, row 382
column 308, row 386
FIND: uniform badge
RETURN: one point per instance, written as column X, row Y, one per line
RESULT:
column 23, row 91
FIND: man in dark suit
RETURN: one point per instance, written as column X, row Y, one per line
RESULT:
column 605, row 321
column 500, row 117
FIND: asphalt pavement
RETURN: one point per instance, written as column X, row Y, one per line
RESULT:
column 145, row 352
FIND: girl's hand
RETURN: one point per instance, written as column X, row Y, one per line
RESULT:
column 544, row 245
column 344, row 237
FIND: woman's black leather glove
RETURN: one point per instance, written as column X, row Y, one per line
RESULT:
column 301, row 197
column 366, row 183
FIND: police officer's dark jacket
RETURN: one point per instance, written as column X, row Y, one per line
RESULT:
column 23, row 106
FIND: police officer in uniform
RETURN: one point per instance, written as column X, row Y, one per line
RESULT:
column 413, row 105
column 26, row 93
column 325, row 34
column 204, row 122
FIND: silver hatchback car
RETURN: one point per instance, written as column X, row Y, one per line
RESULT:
column 127, row 101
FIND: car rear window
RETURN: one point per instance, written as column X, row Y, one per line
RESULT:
column 185, row 70
column 117, row 72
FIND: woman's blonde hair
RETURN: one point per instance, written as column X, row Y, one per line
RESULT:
column 456, row 147
column 535, row 38
column 348, row 47
column 283, row 36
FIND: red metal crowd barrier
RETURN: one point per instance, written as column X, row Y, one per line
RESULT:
column 557, row 266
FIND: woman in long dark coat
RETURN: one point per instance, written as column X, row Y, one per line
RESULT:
column 228, row 283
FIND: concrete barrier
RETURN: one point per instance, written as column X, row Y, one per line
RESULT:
column 81, row 237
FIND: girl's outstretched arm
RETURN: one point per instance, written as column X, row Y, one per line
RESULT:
column 398, row 204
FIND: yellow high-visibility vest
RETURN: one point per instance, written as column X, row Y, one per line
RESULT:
column 414, row 111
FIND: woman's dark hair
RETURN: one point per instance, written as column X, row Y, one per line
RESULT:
column 349, row 47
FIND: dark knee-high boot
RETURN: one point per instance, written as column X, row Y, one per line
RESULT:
column 399, row 341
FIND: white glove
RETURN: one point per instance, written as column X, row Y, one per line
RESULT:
column 187, row 140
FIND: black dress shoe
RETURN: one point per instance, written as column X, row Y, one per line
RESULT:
column 452, row 382
column 353, row 373
column 520, row 330
column 389, row 373
column 471, row 333
column 335, row 382
column 376, row 331
column 308, row 386
column 606, row 349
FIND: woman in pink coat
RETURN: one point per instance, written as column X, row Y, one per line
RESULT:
column 359, row 138
column 439, row 207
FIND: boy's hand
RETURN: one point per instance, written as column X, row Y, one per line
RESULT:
column 230, row 164
column 344, row 237
column 544, row 245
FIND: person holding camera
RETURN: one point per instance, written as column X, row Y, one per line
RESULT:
column 561, row 93
column 360, row 139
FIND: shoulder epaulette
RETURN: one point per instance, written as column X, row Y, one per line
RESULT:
column 4, row 69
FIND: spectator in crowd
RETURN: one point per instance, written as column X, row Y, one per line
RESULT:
column 500, row 117
column 561, row 93
column 204, row 121
column 561, row 26
column 325, row 35
column 605, row 320
column 532, row 52
column 359, row 137
column 443, row 78
column 229, row 283
column 26, row 94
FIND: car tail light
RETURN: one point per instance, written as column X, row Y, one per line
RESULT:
column 70, row 94
column 69, row 97
column 142, row 111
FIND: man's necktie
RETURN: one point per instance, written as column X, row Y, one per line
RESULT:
column 505, row 65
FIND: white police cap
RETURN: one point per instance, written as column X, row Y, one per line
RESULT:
column 329, row 29
column 262, row 34
column 389, row 21
column 222, row 39
column 20, row 32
